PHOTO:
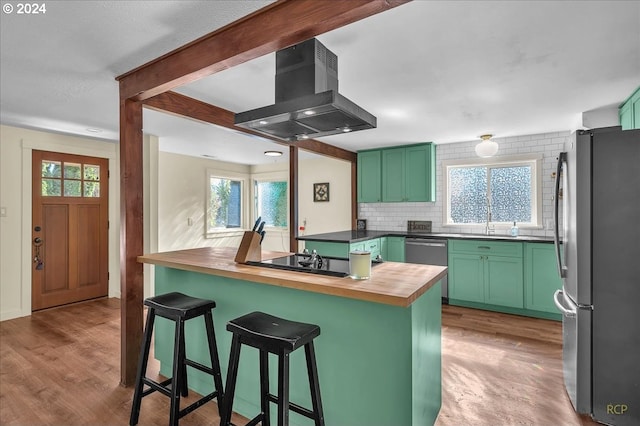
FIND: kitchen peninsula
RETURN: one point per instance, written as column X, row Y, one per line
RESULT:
column 379, row 352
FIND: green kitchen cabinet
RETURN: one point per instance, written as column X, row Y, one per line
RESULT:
column 328, row 248
column 466, row 277
column 369, row 176
column 630, row 112
column 372, row 246
column 408, row 173
column 394, row 249
column 393, row 175
column 335, row 249
column 504, row 281
column 487, row 272
column 541, row 277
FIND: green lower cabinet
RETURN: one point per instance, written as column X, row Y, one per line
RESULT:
column 394, row 249
column 509, row 277
column 541, row 277
column 493, row 280
column 326, row 248
column 372, row 246
column 503, row 281
column 466, row 277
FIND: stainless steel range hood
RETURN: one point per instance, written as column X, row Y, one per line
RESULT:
column 308, row 104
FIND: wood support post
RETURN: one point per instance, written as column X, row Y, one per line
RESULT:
column 293, row 198
column 131, row 238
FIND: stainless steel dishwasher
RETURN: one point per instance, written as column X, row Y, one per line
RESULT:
column 428, row 251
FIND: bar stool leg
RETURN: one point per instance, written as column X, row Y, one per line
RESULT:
column 215, row 360
column 178, row 364
column 142, row 367
column 314, row 384
column 232, row 374
column 184, row 386
column 264, row 388
column 283, row 389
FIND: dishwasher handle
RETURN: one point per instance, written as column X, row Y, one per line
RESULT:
column 417, row 242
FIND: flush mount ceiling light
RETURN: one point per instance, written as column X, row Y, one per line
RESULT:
column 486, row 148
column 273, row 153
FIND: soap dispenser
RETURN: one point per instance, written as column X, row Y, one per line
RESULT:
column 514, row 230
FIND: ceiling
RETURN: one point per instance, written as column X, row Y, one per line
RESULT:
column 442, row 71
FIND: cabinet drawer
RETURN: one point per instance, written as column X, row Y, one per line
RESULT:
column 372, row 245
column 496, row 248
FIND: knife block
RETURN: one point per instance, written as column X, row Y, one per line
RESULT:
column 249, row 249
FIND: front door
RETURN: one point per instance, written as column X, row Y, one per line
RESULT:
column 69, row 229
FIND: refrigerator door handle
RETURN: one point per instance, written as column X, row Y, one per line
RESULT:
column 562, row 159
column 557, row 296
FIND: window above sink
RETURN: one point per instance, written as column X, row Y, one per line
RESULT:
column 493, row 192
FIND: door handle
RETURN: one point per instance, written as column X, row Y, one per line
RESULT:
column 556, row 300
column 562, row 160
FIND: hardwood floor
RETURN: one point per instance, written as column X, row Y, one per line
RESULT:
column 500, row 369
column 61, row 367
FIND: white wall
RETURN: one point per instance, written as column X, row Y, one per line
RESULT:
column 326, row 216
column 394, row 216
column 182, row 196
column 16, row 146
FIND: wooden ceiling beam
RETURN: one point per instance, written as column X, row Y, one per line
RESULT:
column 184, row 106
column 279, row 25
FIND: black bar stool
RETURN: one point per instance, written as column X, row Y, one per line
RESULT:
column 179, row 308
column 281, row 337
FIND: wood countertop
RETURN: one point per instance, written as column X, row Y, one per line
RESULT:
column 391, row 283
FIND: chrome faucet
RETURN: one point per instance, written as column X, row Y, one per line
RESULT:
column 489, row 229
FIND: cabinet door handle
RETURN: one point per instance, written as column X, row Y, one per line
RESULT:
column 484, row 247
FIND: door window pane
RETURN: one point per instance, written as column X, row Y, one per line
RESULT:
column 72, row 171
column 70, row 179
column 72, row 188
column 271, row 202
column 91, row 189
column 51, row 169
column 91, row 172
column 51, row 187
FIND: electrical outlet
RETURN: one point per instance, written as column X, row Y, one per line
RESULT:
column 548, row 224
column 3, row 212
column 189, row 221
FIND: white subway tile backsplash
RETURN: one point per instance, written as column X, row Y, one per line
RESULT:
column 394, row 216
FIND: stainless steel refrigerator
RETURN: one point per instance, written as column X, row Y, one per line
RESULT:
column 598, row 199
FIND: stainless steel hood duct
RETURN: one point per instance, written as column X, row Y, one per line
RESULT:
column 308, row 104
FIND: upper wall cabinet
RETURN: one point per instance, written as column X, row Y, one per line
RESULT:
column 369, row 176
column 407, row 174
column 630, row 112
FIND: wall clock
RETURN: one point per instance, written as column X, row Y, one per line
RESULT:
column 321, row 191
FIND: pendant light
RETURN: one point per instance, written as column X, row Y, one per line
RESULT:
column 486, row 148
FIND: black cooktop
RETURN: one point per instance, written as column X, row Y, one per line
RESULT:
column 323, row 265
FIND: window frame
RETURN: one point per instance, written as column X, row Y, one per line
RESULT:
column 244, row 205
column 270, row 177
column 533, row 160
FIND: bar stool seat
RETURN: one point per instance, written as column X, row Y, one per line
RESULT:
column 270, row 334
column 179, row 308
